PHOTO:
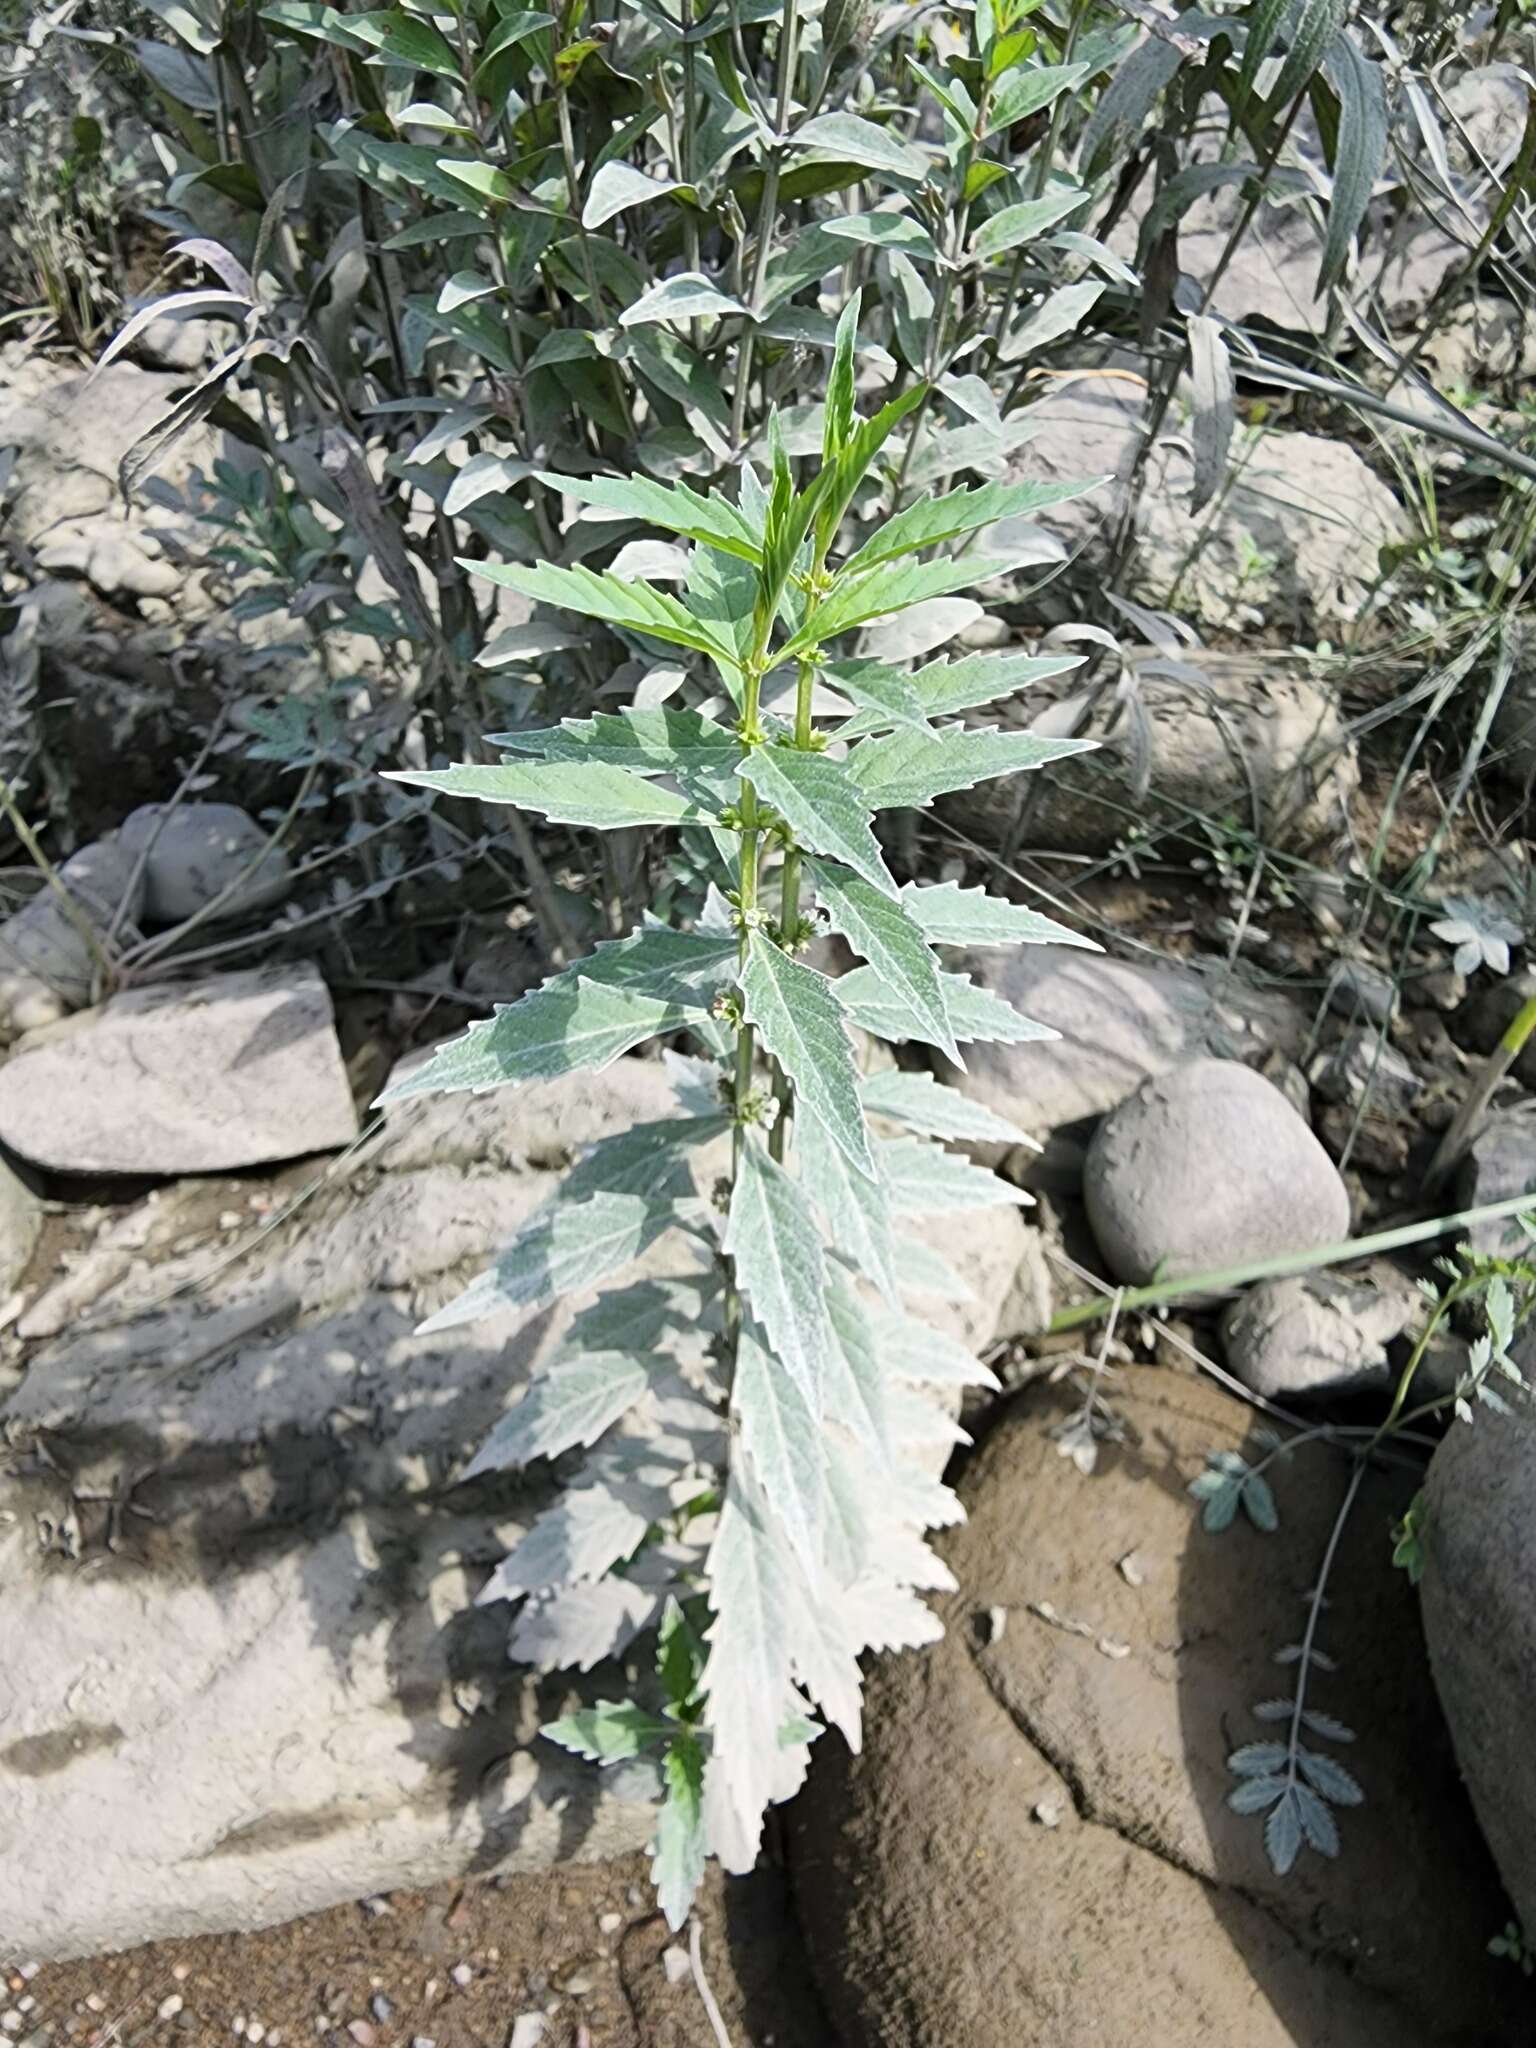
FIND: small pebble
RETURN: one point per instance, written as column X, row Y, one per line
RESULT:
column 422, row 2041
column 95, row 2002
column 379, row 1908
column 675, row 1962
column 237, row 2026
column 430, row 1990
column 1133, row 1568
column 462, row 1975
column 578, row 1985
column 12, row 2021
column 361, row 2033
column 609, row 1923
column 527, row 2030
column 27, row 2004
column 181, row 1972
column 381, row 2008
column 255, row 2031
column 169, row 2007
column 1048, row 1812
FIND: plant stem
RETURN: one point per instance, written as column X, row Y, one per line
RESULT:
column 789, row 33
column 1498, row 1063
column 1229, row 1278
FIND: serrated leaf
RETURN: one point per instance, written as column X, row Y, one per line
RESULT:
column 879, row 1615
column 1221, row 1505
column 884, row 692
column 1282, row 1833
column 823, row 807
column 925, row 1180
column 1012, row 226
column 857, row 1384
column 1327, row 1726
column 853, row 1205
column 608, row 1732
column 882, row 931
column 800, row 1021
column 633, row 607
column 1257, row 1759
column 893, row 587
column 945, row 687
column 1259, row 1503
column 587, row 1531
column 772, row 1239
column 554, row 1030
column 688, row 296
column 926, row 1106
column 910, row 769
column 1254, row 1794
column 617, row 186
column 930, row 522
column 575, row 1627
column 781, row 1432
column 565, row 1249
column 675, row 508
column 847, row 138
column 911, row 1350
column 923, row 1271
column 1317, row 1821
column 655, row 741
column 974, row 1012
column 747, row 1678
column 567, row 792
column 1274, row 1710
column 680, row 1853
column 953, row 916
column 1330, row 1778
column 571, row 1402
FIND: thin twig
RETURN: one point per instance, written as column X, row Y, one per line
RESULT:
column 712, row 2011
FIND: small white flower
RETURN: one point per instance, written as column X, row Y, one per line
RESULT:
column 1481, row 934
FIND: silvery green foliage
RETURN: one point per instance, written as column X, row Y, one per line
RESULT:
column 758, row 1431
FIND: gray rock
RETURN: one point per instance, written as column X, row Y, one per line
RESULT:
column 944, row 1912
column 1118, row 1022
column 1357, row 989
column 1480, row 1625
column 1293, row 544
column 1487, row 1013
column 1207, row 1167
column 1247, row 732
column 193, row 853
column 1316, row 1333
column 1500, row 1163
column 193, row 1077
column 274, row 1683
column 52, row 956
column 1365, row 1067
column 69, row 430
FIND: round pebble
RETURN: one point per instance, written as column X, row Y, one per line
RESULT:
column 169, row 2007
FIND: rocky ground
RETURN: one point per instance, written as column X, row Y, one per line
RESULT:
column 244, row 1684
column 573, row 1959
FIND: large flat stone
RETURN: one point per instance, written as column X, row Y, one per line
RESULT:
column 194, row 1077
column 242, row 1675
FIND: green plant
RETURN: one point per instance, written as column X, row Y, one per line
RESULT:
column 1294, row 1784
column 752, row 1501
